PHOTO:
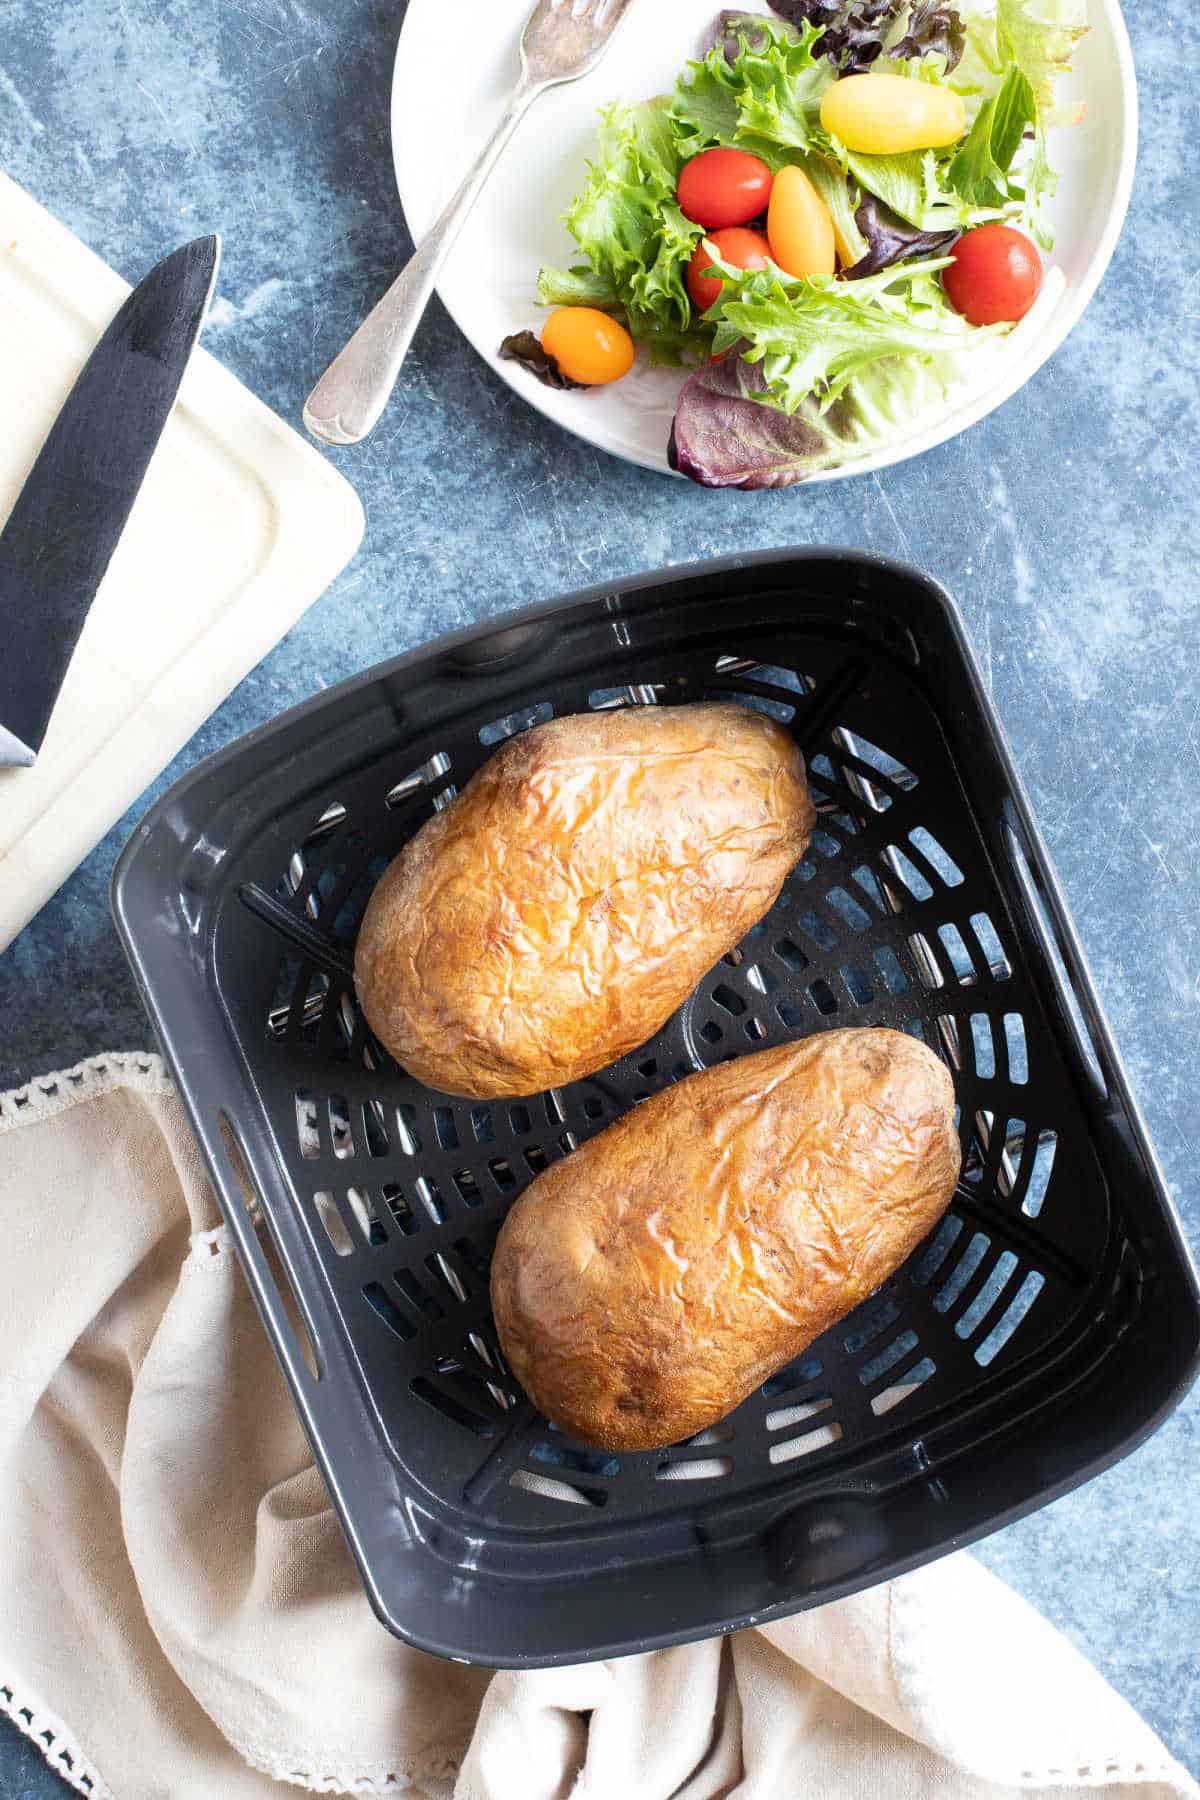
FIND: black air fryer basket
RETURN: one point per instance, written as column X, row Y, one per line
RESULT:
column 1041, row 1332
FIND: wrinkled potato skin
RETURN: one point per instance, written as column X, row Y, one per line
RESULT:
column 647, row 1283
column 556, row 913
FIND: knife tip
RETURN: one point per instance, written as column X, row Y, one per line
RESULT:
column 13, row 753
column 199, row 252
column 208, row 245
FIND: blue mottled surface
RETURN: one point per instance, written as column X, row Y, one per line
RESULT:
column 1066, row 525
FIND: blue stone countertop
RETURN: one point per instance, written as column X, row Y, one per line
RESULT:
column 1066, row 525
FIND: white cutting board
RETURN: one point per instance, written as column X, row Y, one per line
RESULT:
column 239, row 527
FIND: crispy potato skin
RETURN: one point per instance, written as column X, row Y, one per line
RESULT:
column 556, row 913
column 648, row 1282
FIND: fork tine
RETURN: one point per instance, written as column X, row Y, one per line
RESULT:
column 590, row 11
column 601, row 15
column 607, row 13
column 563, row 39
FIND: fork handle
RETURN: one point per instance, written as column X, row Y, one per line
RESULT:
column 347, row 401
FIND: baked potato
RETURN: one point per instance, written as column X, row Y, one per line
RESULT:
column 649, row 1281
column 558, row 910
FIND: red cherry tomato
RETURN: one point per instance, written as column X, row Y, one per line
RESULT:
column 723, row 187
column 744, row 249
column 995, row 277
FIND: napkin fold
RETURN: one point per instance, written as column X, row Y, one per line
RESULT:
column 180, row 1616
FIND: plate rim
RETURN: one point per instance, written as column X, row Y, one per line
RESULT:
column 949, row 425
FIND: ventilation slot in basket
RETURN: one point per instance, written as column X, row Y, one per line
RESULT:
column 1014, row 1037
column 700, row 1468
column 336, row 1229
column 428, row 773
column 1017, row 1310
column 385, row 1308
column 992, row 950
column 794, row 1375
column 366, row 1216
column 806, row 1444
column 783, row 1416
column 901, row 865
column 513, row 722
column 643, row 694
column 421, row 1304
column 868, row 1328
column 297, row 1326
column 451, row 1409
column 903, row 1388
column 1039, row 1177
column 887, row 1358
column 935, row 857
column 551, row 1489
column 983, row 1046
column 578, row 1461
column 307, row 1130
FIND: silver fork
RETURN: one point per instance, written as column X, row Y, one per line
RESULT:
column 562, row 40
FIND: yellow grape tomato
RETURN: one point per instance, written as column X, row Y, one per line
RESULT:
column 883, row 115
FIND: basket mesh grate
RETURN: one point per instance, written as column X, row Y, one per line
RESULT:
column 890, row 918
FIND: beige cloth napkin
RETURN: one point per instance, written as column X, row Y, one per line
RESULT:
column 180, row 1617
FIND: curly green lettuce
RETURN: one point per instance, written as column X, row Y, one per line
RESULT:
column 814, row 335
column 578, row 286
column 629, row 226
column 766, row 101
column 1038, row 35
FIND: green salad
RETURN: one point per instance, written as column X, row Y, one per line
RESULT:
column 833, row 213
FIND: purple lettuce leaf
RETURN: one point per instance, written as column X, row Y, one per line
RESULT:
column 851, row 36
column 728, row 29
column 724, row 437
column 891, row 239
column 933, row 28
column 853, row 31
column 523, row 347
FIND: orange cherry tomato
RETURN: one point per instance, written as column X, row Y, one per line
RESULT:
column 799, row 227
column 744, row 249
column 587, row 345
column 995, row 277
column 723, row 187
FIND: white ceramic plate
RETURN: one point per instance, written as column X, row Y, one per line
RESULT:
column 455, row 64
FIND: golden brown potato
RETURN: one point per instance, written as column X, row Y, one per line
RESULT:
column 557, row 912
column 648, row 1282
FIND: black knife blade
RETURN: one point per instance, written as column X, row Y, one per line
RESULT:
column 70, row 514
